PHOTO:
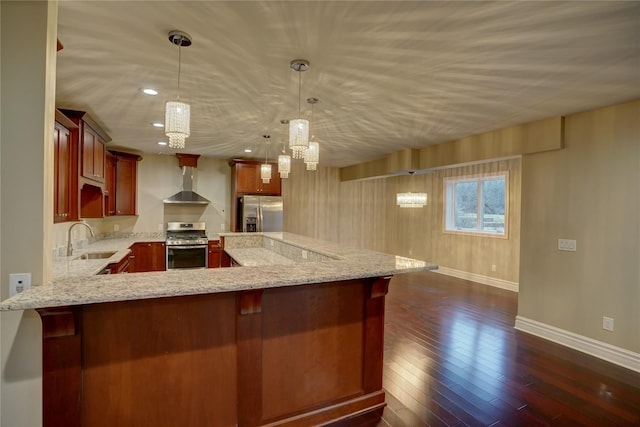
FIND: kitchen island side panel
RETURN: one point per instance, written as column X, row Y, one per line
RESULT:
column 290, row 356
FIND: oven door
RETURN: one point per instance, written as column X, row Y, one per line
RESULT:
column 186, row 256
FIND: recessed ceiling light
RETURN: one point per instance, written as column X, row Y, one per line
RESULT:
column 162, row 143
column 247, row 150
column 149, row 91
column 158, row 125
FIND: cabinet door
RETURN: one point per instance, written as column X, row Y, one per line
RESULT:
column 214, row 254
column 110, row 185
column 148, row 256
column 93, row 155
column 125, row 186
column 247, row 176
column 62, row 173
column 273, row 188
column 158, row 257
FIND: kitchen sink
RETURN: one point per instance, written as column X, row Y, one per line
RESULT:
column 97, row 255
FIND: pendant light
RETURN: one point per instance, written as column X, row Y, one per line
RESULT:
column 177, row 113
column 265, row 168
column 312, row 153
column 299, row 128
column 284, row 160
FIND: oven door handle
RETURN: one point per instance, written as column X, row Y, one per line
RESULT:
column 187, row 247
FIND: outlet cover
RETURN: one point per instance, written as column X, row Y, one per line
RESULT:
column 304, row 254
column 607, row 323
column 18, row 282
column 566, row 245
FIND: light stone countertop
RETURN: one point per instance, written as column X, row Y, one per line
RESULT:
column 75, row 285
column 254, row 257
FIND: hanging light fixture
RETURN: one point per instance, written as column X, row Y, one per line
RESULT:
column 299, row 128
column 411, row 200
column 284, row 160
column 265, row 168
column 177, row 113
column 312, row 153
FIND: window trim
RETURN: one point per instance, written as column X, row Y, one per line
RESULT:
column 477, row 178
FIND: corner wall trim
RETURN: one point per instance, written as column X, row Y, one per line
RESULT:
column 616, row 355
column 485, row 280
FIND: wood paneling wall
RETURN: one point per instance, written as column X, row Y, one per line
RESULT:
column 364, row 214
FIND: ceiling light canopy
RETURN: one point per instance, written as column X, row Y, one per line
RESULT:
column 299, row 128
column 178, row 113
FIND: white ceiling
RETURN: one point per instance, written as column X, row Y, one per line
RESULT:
column 390, row 75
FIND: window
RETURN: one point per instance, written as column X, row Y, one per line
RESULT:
column 476, row 204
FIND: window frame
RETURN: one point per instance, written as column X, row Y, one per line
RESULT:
column 449, row 201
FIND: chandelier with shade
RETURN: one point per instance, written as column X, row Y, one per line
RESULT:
column 299, row 127
column 178, row 113
column 312, row 153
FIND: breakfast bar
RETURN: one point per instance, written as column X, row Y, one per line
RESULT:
column 293, row 336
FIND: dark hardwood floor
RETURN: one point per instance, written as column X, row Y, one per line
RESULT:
column 453, row 358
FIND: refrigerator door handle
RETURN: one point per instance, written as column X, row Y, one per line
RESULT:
column 260, row 218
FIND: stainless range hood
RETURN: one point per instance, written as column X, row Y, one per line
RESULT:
column 188, row 163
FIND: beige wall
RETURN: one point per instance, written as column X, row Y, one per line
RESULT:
column 28, row 37
column 364, row 214
column 590, row 191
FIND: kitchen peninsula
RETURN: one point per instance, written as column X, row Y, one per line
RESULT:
column 295, row 339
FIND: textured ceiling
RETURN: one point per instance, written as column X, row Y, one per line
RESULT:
column 390, row 75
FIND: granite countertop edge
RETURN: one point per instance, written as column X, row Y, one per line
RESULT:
column 88, row 288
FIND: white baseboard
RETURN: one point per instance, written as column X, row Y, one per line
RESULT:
column 485, row 280
column 619, row 356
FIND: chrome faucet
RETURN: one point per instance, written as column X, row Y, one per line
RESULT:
column 69, row 248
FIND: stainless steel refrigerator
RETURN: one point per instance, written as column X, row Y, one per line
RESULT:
column 260, row 213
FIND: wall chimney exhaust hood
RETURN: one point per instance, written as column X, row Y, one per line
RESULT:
column 188, row 163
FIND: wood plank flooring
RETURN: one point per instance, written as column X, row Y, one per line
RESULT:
column 453, row 358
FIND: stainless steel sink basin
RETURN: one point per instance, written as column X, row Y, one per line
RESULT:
column 97, row 255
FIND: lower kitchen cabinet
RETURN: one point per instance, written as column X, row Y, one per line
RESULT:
column 119, row 267
column 214, row 254
column 147, row 256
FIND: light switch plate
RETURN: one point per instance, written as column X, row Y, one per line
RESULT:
column 566, row 245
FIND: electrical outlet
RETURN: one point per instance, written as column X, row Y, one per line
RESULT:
column 18, row 282
column 494, row 268
column 607, row 323
column 116, row 227
column 566, row 245
column 304, row 254
column 221, row 227
column 160, row 227
column 271, row 242
column 410, row 251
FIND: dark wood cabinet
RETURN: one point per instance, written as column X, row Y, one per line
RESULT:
column 110, row 184
column 214, row 254
column 120, row 267
column 245, row 180
column 64, row 165
column 92, row 151
column 121, row 183
column 147, row 256
column 248, row 181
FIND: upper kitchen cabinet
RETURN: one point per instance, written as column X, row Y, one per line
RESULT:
column 91, row 163
column 246, row 178
column 65, row 181
column 92, row 146
column 121, row 183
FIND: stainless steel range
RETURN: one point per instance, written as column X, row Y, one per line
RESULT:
column 186, row 245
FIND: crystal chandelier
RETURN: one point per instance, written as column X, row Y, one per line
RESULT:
column 312, row 153
column 299, row 128
column 265, row 168
column 284, row 164
column 411, row 200
column 177, row 113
